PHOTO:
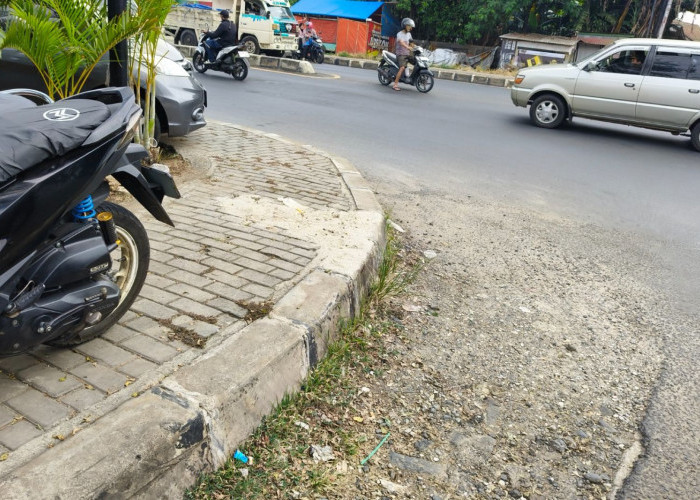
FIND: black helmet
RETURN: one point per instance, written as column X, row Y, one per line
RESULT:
column 224, row 14
column 407, row 21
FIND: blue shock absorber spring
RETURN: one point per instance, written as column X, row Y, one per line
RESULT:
column 84, row 210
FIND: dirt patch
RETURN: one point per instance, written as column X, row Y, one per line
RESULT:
column 519, row 364
column 256, row 310
column 181, row 170
column 185, row 335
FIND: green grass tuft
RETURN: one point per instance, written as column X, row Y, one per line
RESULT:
column 279, row 448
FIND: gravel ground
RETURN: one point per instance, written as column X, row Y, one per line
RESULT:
column 523, row 360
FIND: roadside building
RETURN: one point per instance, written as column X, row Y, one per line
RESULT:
column 530, row 49
column 350, row 26
column 588, row 43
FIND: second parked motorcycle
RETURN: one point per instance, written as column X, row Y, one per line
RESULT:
column 232, row 60
column 420, row 76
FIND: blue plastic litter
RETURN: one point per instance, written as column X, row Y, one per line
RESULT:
column 240, row 456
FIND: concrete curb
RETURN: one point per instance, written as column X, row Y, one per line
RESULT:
column 157, row 443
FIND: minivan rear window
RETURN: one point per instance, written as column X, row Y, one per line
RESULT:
column 669, row 64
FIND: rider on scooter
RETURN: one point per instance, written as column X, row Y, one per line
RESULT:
column 224, row 36
column 404, row 42
column 310, row 34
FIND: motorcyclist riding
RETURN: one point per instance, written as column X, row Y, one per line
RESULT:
column 404, row 41
column 224, row 36
column 309, row 34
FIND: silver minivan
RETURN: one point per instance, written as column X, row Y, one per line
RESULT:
column 651, row 83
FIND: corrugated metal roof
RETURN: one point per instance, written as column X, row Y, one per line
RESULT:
column 596, row 40
column 349, row 9
column 535, row 37
column 600, row 38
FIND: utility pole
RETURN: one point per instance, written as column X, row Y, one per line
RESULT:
column 118, row 64
column 662, row 26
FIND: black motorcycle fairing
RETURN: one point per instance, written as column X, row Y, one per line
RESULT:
column 56, row 313
column 133, row 180
column 9, row 279
column 76, row 253
column 53, row 187
column 29, row 136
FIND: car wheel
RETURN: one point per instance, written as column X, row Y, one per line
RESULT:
column 548, row 111
column 198, row 62
column 695, row 136
column 251, row 44
column 188, row 37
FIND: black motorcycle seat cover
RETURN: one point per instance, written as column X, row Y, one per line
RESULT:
column 31, row 135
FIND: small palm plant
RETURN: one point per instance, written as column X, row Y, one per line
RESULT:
column 152, row 14
column 65, row 39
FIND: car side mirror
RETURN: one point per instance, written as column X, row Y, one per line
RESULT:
column 267, row 14
column 591, row 66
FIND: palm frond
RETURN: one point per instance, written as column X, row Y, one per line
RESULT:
column 65, row 50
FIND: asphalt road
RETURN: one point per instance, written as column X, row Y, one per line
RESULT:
column 469, row 140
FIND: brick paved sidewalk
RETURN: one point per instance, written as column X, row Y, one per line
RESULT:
column 206, row 275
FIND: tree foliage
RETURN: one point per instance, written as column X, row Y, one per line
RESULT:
column 481, row 21
column 65, row 39
column 151, row 14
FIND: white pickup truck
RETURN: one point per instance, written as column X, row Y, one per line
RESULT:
column 263, row 25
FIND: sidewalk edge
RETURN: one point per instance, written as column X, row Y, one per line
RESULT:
column 156, row 444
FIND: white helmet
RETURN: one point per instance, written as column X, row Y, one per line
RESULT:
column 407, row 21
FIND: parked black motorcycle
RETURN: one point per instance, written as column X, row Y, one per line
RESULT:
column 420, row 76
column 71, row 263
column 232, row 60
column 315, row 51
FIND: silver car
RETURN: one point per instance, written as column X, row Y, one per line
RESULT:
column 180, row 97
column 649, row 83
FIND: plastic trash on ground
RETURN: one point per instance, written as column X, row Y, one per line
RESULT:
column 240, row 456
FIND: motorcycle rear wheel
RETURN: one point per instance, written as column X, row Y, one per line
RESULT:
column 425, row 82
column 318, row 56
column 240, row 70
column 383, row 76
column 129, row 268
column 198, row 62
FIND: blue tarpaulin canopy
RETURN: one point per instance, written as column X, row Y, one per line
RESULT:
column 348, row 9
